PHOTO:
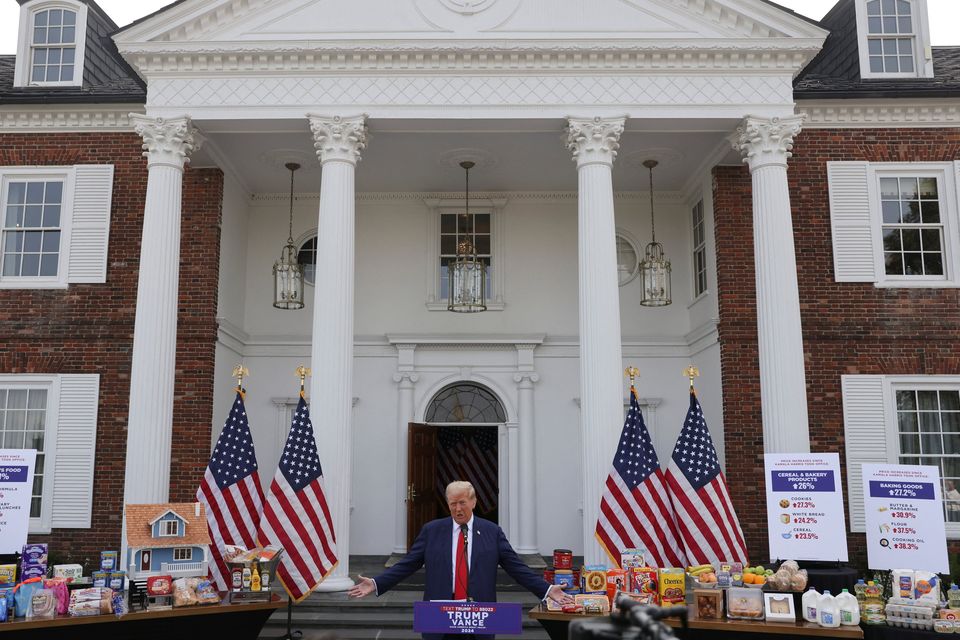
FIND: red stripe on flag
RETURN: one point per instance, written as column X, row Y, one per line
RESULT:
column 294, row 519
column 291, row 548
column 721, row 488
column 678, row 493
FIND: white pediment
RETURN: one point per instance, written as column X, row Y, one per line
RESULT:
column 259, row 23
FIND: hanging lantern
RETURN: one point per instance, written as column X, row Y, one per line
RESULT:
column 287, row 272
column 467, row 274
column 654, row 268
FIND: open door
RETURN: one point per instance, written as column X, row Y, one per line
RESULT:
column 421, row 478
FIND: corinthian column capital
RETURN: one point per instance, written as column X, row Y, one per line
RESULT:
column 594, row 140
column 339, row 139
column 167, row 141
column 766, row 141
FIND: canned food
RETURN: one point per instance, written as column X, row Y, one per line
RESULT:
column 548, row 576
column 563, row 559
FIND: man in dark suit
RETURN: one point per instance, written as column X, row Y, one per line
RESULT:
column 472, row 572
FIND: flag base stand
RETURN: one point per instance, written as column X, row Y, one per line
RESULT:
column 291, row 634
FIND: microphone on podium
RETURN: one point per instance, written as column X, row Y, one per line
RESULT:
column 464, row 531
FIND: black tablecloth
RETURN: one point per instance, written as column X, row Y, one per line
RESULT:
column 884, row 632
column 830, row 578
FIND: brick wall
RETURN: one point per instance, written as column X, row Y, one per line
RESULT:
column 88, row 328
column 848, row 328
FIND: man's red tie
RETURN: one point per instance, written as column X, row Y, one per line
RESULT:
column 460, row 582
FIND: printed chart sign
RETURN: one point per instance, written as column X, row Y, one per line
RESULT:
column 16, row 489
column 904, row 517
column 805, row 506
column 456, row 617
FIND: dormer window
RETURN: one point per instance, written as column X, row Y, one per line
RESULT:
column 169, row 528
column 894, row 39
column 51, row 43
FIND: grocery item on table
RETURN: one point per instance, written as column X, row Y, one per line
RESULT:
column 34, row 555
column 828, row 613
column 94, row 601
column 616, row 582
column 116, row 580
column 644, row 581
column 100, row 578
column 703, row 575
column 708, row 603
column 592, row 603
column 672, row 586
column 3, row 607
column 562, row 559
column 593, row 579
column 903, row 583
column 849, row 608
column 23, row 593
column 59, row 588
column 633, row 559
column 8, row 575
column 207, row 592
column 860, row 590
column 953, row 597
column 809, row 604
column 69, row 572
column 744, row 603
column 108, row 561
column 926, row 587
column 184, row 592
column 564, row 578
column 873, row 606
column 43, row 605
column 159, row 585
column 910, row 614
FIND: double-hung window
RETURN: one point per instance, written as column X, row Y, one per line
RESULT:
column 51, row 43
column 699, row 251
column 54, row 225
column 24, row 421
column 896, row 224
column 893, row 39
column 903, row 420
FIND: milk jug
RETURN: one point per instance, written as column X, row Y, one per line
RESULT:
column 809, row 605
column 849, row 608
column 828, row 613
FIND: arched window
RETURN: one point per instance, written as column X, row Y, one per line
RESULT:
column 307, row 257
column 465, row 402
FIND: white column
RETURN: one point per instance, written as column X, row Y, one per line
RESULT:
column 594, row 143
column 339, row 142
column 765, row 144
column 528, row 463
column 407, row 381
column 167, row 145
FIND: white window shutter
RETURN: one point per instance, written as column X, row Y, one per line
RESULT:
column 852, row 229
column 865, row 435
column 76, row 451
column 90, row 225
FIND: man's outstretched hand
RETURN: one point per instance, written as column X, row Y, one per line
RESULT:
column 363, row 588
column 555, row 593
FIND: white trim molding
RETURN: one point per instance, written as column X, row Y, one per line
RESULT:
column 66, row 118
column 868, row 114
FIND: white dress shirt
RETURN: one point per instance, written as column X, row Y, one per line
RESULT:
column 453, row 552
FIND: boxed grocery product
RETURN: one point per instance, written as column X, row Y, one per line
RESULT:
column 159, row 585
column 633, row 559
column 593, row 603
column 34, row 555
column 593, row 579
column 745, row 603
column 8, row 574
column 116, row 580
column 43, row 605
column 672, row 586
column 616, row 582
column 644, row 580
column 708, row 603
column 903, row 583
column 68, row 571
column 108, row 561
column 639, row 598
column 36, row 571
column 100, row 578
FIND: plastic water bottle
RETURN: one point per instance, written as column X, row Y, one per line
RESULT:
column 860, row 589
column 849, row 608
column 953, row 597
column 828, row 613
column 809, row 604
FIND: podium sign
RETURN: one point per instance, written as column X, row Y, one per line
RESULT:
column 467, row 617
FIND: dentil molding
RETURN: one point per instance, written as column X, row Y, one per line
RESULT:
column 852, row 114
column 167, row 141
column 66, row 118
column 338, row 138
column 594, row 140
column 766, row 141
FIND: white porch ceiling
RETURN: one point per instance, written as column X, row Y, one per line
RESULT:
column 423, row 156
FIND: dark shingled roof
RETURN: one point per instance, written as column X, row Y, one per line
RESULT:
column 107, row 78
column 835, row 72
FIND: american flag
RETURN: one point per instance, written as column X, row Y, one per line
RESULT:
column 635, row 509
column 296, row 516
column 470, row 456
column 231, row 491
column 706, row 521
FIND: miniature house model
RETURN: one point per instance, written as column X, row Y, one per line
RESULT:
column 162, row 540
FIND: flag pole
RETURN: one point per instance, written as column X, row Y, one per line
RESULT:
column 240, row 372
column 691, row 372
column 632, row 373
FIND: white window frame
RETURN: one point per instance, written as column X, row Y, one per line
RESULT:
column 701, row 248
column 49, row 174
column 24, row 65
column 163, row 531
column 186, row 552
column 891, row 384
column 947, row 190
column 51, row 383
column 436, row 207
column 922, row 53
column 626, row 236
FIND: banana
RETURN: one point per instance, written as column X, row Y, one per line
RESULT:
column 703, row 568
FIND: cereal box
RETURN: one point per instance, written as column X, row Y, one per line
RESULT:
column 672, row 587
column 8, row 575
column 593, row 579
column 644, row 581
column 616, row 582
column 633, row 559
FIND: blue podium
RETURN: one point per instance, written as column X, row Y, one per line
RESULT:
column 450, row 616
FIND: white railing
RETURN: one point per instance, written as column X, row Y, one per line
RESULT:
column 184, row 569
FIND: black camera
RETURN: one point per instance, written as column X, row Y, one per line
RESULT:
column 633, row 621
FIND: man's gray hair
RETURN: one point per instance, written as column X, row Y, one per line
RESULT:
column 460, row 485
